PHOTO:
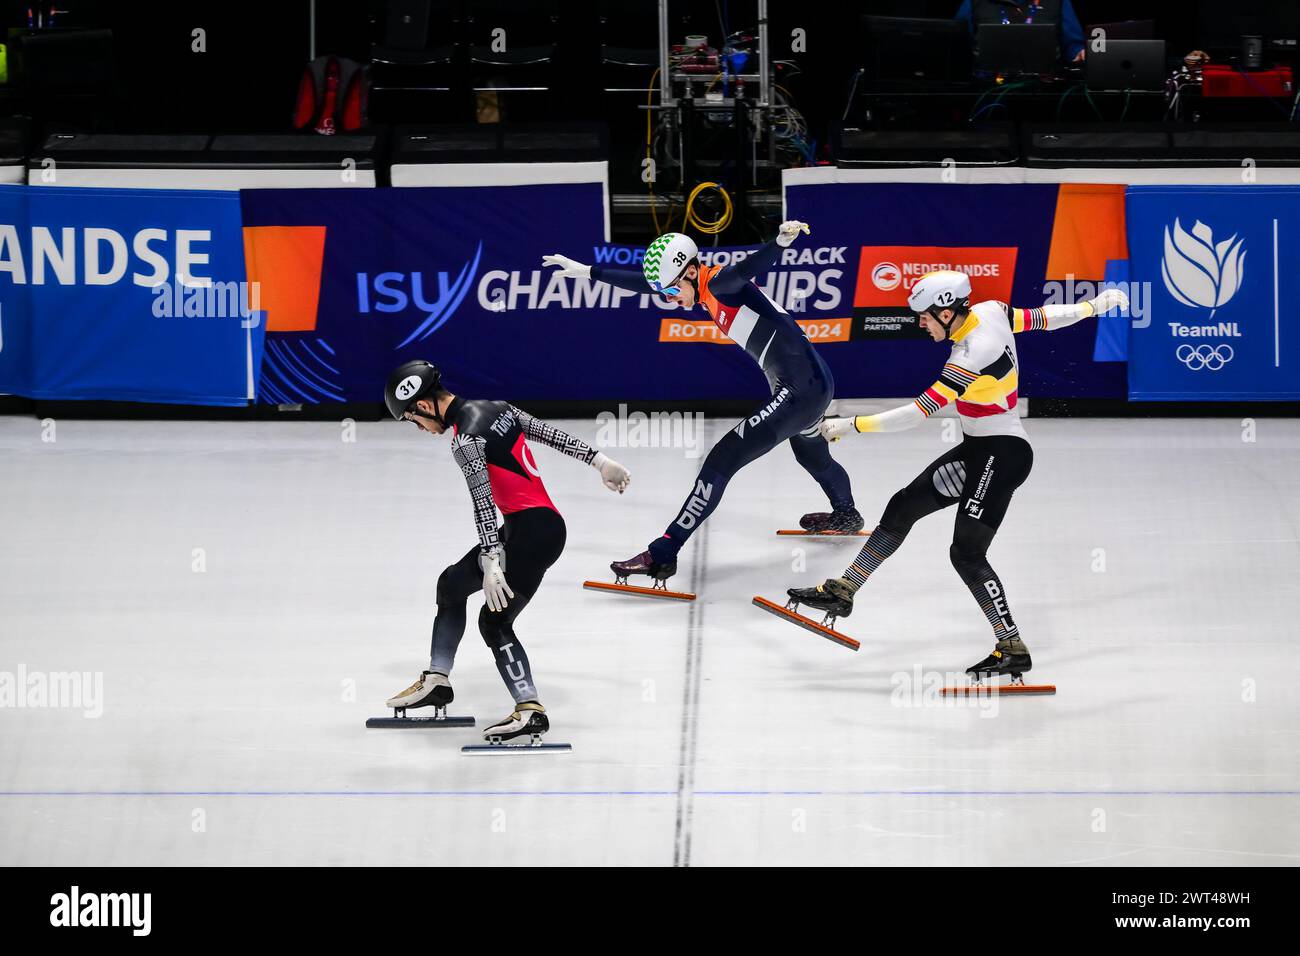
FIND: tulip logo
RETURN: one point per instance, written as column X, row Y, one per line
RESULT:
column 1199, row 273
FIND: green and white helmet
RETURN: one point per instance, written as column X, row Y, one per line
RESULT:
column 666, row 259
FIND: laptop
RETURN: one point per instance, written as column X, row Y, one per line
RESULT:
column 1126, row 65
column 1028, row 49
column 916, row 48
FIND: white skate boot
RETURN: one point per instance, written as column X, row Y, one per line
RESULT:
column 521, row 732
column 431, row 690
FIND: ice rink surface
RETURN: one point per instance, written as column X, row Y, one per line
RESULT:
column 251, row 593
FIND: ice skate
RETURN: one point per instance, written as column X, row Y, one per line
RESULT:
column 841, row 521
column 1009, row 657
column 520, row 732
column 430, row 690
column 834, row 597
column 643, row 563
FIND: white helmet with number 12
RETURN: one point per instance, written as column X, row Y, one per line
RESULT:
column 936, row 291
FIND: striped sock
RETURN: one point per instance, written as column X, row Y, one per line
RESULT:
column 879, row 546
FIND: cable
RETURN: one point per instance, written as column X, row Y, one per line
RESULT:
column 1061, row 102
column 709, row 228
column 650, row 183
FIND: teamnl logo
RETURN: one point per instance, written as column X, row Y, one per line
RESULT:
column 1201, row 273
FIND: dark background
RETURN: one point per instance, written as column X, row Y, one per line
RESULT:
column 247, row 79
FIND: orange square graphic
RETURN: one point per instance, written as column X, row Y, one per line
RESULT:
column 285, row 262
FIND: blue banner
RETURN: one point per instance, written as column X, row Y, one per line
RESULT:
column 127, row 295
column 355, row 282
column 1220, row 263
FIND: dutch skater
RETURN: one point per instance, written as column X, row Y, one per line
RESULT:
column 800, row 382
column 982, row 473
column 489, row 441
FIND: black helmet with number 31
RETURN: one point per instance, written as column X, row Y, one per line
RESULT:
column 410, row 382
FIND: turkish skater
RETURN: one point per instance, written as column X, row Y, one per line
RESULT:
column 489, row 441
column 981, row 473
column 799, row 379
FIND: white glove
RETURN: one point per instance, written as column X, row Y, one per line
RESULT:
column 833, row 429
column 614, row 475
column 789, row 229
column 570, row 268
column 1107, row 300
column 495, row 589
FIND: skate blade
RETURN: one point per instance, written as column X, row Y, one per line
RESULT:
column 808, row 624
column 419, row 723
column 1001, row 690
column 640, row 591
column 516, row 748
column 800, row 533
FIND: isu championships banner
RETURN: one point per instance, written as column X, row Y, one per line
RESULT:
column 354, row 282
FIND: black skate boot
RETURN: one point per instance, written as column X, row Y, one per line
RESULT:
column 839, row 521
column 1010, row 656
column 643, row 563
column 834, row 596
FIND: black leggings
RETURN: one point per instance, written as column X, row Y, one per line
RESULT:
column 980, row 473
column 533, row 540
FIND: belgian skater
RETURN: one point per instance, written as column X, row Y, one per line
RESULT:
column 982, row 473
column 489, row 441
column 800, row 382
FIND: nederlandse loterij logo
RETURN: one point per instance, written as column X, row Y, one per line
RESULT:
column 886, row 276
column 1198, row 272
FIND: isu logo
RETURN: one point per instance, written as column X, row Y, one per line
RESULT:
column 886, row 276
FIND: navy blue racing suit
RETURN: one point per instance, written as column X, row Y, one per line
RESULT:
column 801, row 384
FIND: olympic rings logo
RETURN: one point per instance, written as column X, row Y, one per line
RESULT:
column 1211, row 357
